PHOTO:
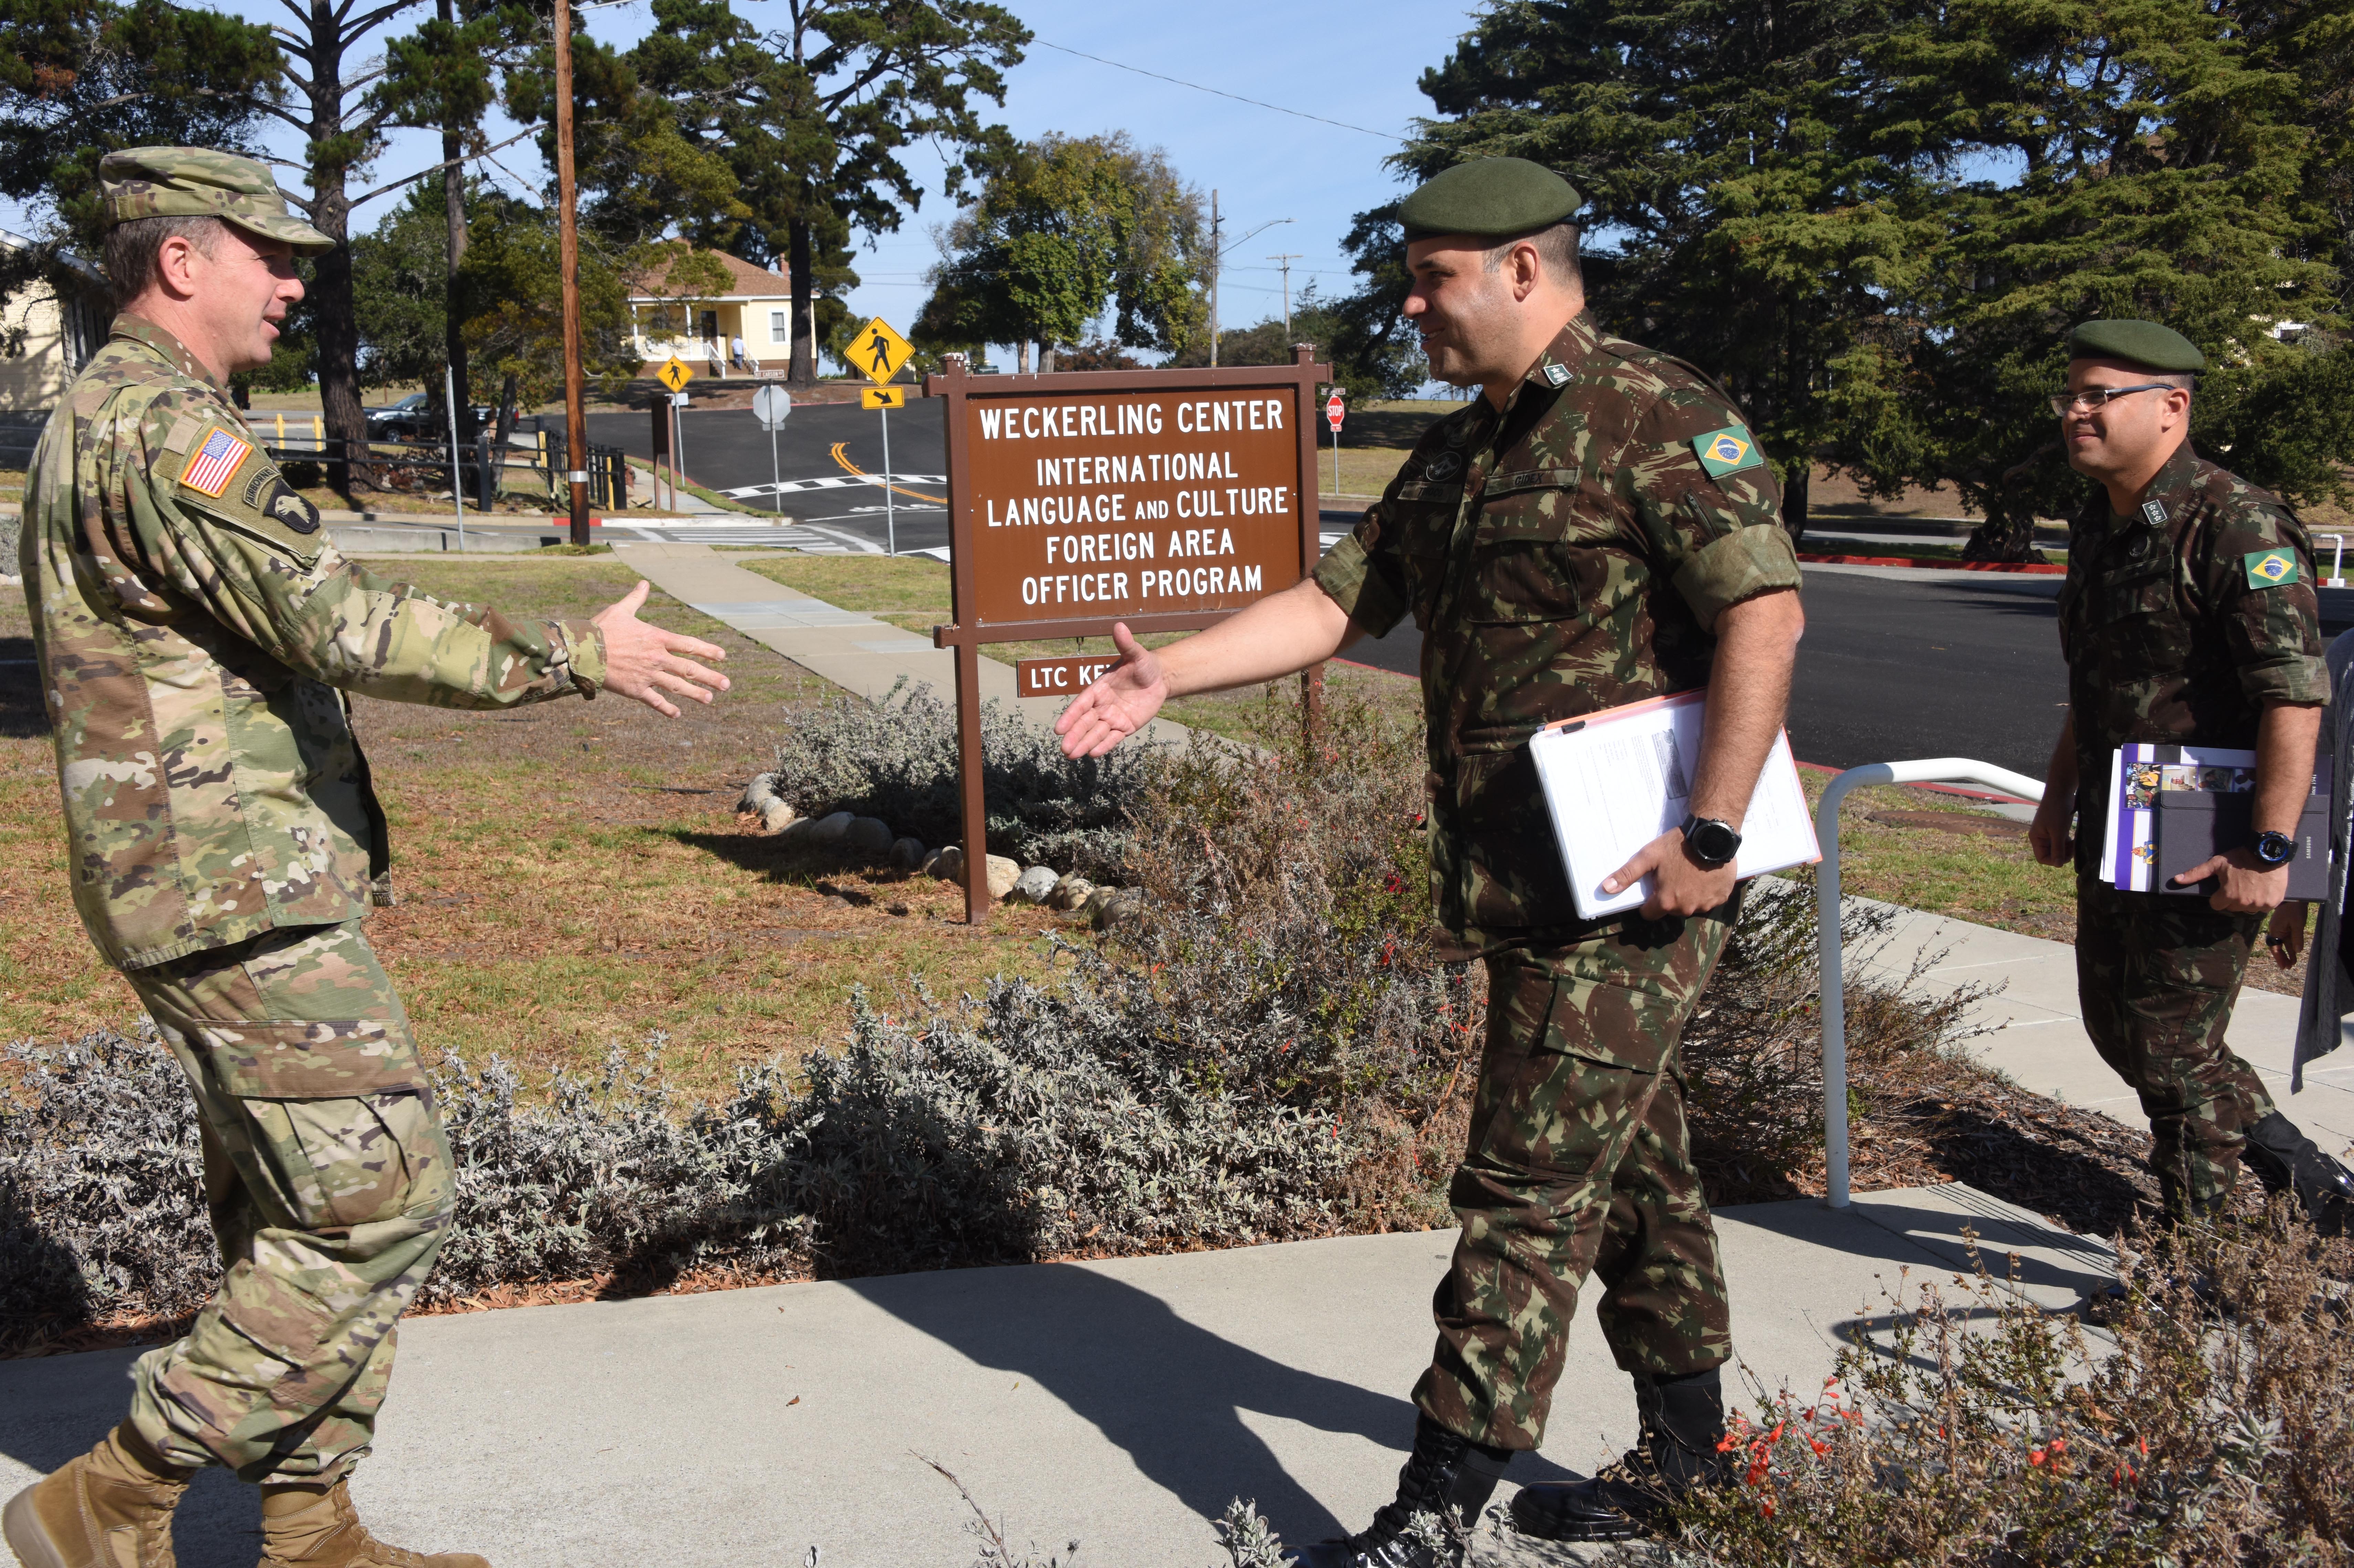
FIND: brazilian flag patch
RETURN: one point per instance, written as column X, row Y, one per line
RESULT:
column 1728, row 450
column 2271, row 569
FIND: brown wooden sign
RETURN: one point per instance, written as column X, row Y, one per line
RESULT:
column 1058, row 677
column 1166, row 500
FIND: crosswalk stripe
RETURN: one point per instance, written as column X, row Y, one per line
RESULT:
column 832, row 482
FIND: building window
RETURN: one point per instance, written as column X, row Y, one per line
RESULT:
column 780, row 326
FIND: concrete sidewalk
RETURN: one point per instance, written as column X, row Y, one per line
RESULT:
column 1121, row 1404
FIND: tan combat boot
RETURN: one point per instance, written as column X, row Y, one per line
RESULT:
column 110, row 1508
column 316, row 1527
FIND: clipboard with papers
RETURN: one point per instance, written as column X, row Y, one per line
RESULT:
column 1617, row 779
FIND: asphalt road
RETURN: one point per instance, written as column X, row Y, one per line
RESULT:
column 1890, row 669
column 726, row 449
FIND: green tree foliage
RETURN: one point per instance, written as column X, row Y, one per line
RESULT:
column 1065, row 228
column 398, row 289
column 2165, row 167
column 1372, row 348
column 1727, row 145
column 80, row 78
column 513, row 325
column 1875, row 224
column 786, row 145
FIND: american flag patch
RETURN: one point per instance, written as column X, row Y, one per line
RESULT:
column 215, row 463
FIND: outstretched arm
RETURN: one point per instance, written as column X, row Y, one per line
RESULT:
column 1281, row 633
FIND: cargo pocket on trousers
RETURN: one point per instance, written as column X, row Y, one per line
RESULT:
column 303, row 1060
column 1547, row 1107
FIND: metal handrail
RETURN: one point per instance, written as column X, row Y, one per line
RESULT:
column 1926, row 770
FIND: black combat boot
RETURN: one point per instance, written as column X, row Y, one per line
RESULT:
column 1684, row 1422
column 2286, row 1160
column 1447, row 1478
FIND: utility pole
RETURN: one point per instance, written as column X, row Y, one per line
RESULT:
column 568, row 243
column 1285, row 261
column 1215, row 252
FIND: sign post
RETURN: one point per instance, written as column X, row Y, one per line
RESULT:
column 770, row 405
column 1332, row 412
column 1166, row 500
column 881, row 353
column 675, row 373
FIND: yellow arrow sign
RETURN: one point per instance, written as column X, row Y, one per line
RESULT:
column 675, row 374
column 883, row 398
column 879, row 350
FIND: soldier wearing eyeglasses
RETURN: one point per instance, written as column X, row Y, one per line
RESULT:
column 2187, row 618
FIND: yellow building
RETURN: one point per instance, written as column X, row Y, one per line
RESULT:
column 47, row 329
column 758, row 308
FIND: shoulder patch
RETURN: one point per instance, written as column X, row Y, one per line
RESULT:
column 2270, row 568
column 1728, row 450
column 183, row 435
column 215, row 462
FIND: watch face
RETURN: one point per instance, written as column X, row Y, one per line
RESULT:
column 2275, row 849
column 1714, row 842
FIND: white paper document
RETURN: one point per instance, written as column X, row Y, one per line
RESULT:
column 1617, row 779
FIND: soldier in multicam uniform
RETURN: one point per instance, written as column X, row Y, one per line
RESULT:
column 2187, row 618
column 197, row 634
column 1598, row 528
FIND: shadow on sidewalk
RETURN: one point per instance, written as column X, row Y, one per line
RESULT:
column 1171, row 1395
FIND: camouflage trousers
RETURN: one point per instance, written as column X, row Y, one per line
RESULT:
column 330, row 1186
column 1579, row 1163
column 2155, row 976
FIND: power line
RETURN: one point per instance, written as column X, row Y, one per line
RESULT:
column 1218, row 92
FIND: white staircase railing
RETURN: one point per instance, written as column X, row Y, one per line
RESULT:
column 1927, row 771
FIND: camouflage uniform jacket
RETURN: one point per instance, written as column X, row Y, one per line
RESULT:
column 194, row 626
column 2181, row 624
column 1535, row 547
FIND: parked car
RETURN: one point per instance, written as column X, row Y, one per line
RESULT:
column 413, row 418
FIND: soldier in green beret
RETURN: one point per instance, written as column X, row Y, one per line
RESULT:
column 2187, row 618
column 1598, row 528
column 198, row 631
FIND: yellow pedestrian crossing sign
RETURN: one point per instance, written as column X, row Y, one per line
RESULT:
column 675, row 374
column 884, row 397
column 879, row 351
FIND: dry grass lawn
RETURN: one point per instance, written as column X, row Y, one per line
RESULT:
column 571, row 874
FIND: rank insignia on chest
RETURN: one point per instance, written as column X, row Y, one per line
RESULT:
column 2155, row 512
column 2271, row 569
column 215, row 463
column 1557, row 374
column 1727, row 451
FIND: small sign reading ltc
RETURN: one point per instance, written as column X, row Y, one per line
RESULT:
column 1058, row 677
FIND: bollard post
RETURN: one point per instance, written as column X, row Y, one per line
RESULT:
column 1832, row 981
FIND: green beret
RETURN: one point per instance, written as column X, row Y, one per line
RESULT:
column 201, row 182
column 2146, row 343
column 1489, row 199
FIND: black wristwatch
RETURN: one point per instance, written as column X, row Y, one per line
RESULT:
column 2274, row 850
column 1711, row 842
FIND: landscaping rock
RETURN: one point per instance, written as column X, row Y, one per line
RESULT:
column 1119, row 905
column 796, row 830
column 1035, row 886
column 1003, row 874
column 1071, row 893
column 829, row 830
column 759, row 795
column 907, row 855
column 948, row 864
column 868, row 836
column 776, row 816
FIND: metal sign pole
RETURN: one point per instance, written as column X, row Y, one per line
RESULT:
column 890, row 516
column 457, row 484
column 677, row 445
column 775, row 477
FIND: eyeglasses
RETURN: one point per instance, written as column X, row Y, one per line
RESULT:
column 2092, row 398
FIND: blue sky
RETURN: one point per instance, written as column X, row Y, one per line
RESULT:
column 1357, row 64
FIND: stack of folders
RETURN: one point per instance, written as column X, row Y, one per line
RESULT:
column 1617, row 779
column 2174, row 808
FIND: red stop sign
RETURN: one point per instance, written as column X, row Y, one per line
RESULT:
column 1332, row 411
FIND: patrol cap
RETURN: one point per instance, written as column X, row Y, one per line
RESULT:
column 1488, row 198
column 2146, row 343
column 201, row 182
